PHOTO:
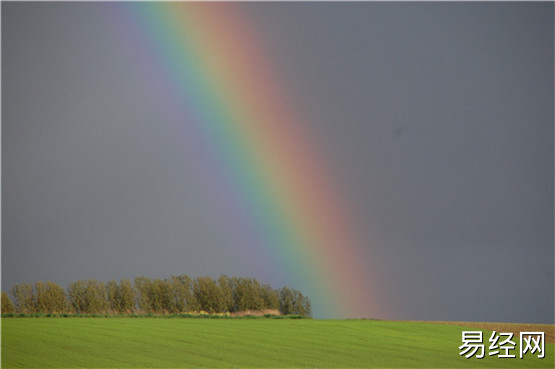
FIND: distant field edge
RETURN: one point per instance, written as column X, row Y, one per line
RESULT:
column 514, row 328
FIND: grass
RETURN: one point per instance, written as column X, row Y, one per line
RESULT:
column 232, row 343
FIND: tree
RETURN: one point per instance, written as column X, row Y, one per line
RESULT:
column 162, row 296
column 23, row 297
column 225, row 285
column 113, row 298
column 270, row 297
column 247, row 294
column 292, row 301
column 49, row 297
column 285, row 301
column 141, row 286
column 207, row 295
column 7, row 304
column 301, row 304
column 76, row 293
column 88, row 296
column 154, row 295
column 40, row 298
column 96, row 296
column 126, row 296
column 182, row 294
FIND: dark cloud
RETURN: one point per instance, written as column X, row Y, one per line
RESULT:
column 436, row 117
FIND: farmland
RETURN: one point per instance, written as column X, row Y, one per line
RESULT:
column 239, row 343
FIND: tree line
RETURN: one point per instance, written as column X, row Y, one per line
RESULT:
column 176, row 294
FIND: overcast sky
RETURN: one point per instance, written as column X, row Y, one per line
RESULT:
column 437, row 119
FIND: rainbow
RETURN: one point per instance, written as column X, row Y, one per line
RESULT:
column 217, row 79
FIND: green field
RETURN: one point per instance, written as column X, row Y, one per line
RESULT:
column 235, row 343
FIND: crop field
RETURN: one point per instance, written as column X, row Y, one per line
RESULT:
column 241, row 343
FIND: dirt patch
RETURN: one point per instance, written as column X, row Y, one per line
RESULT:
column 515, row 328
column 256, row 312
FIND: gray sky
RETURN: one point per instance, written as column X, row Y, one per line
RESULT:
column 437, row 118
